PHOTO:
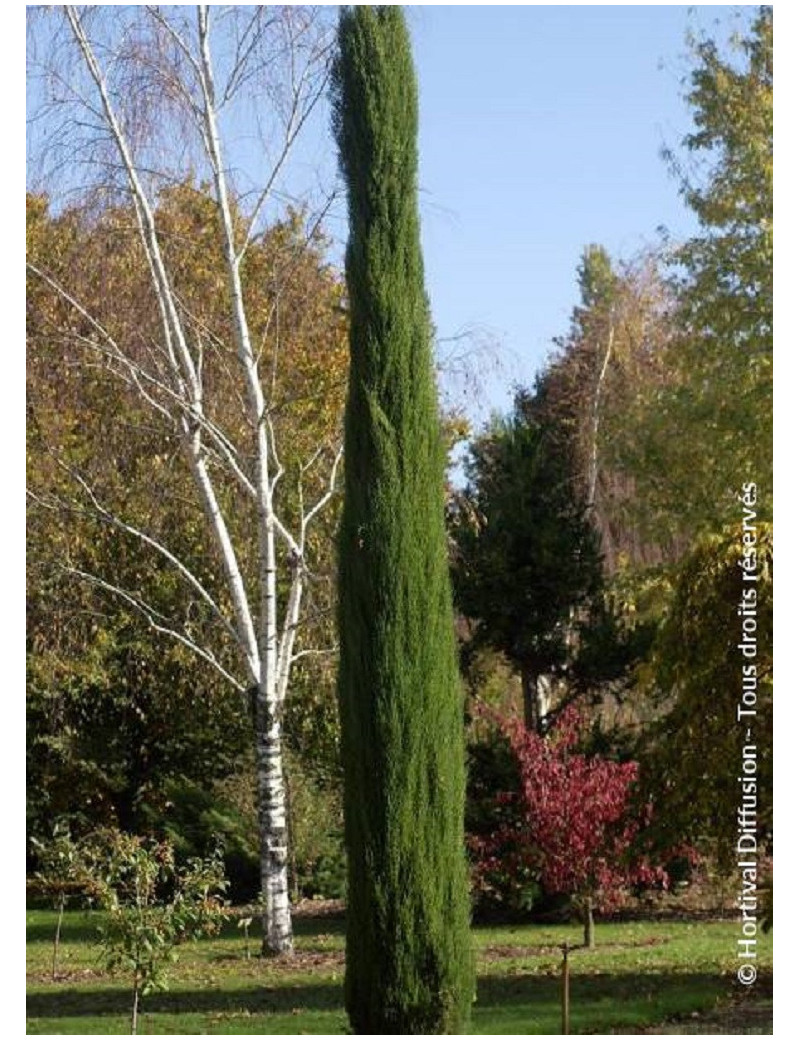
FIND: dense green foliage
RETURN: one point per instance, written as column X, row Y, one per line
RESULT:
column 694, row 761
column 528, row 570
column 727, row 292
column 527, row 558
column 408, row 954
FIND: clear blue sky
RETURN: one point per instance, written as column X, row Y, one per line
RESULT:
column 540, row 132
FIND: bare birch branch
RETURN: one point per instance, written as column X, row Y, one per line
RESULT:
column 289, row 633
column 325, row 651
column 137, row 375
column 115, row 521
column 324, row 499
column 174, row 336
column 593, row 462
column 151, row 615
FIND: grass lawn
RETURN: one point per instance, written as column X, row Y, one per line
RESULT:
column 641, row 974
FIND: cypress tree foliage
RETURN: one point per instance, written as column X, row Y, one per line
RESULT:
column 409, row 963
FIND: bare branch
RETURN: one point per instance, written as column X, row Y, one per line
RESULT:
column 288, row 271
column 321, row 652
column 134, row 372
column 175, row 339
column 116, row 521
column 325, row 498
column 150, row 614
column 137, row 376
column 297, row 121
column 595, row 428
column 242, row 67
column 272, row 442
column 175, row 36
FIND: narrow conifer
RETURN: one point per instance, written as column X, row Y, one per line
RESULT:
column 409, row 964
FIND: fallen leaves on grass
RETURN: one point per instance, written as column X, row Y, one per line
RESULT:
column 498, row 953
column 64, row 975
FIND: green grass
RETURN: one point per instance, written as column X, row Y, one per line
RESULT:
column 642, row 973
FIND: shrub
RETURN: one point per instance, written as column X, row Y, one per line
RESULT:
column 151, row 905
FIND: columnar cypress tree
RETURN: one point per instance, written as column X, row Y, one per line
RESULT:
column 409, row 964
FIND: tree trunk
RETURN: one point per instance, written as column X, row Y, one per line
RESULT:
column 274, row 837
column 529, row 698
column 535, row 699
column 588, row 923
column 544, row 701
column 135, row 1008
column 62, row 899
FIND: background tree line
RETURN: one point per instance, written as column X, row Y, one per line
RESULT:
column 597, row 539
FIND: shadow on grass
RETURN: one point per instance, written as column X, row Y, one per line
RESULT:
column 523, row 1003
column 76, row 927
column 528, row 1003
column 304, row 927
column 68, row 1003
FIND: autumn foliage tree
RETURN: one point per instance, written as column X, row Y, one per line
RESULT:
column 724, row 364
column 692, row 412
column 572, row 827
column 692, row 751
column 600, row 387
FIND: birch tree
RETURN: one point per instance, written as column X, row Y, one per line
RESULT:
column 146, row 97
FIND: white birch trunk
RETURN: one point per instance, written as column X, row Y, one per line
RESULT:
column 595, row 421
column 544, row 699
column 274, row 831
column 276, row 915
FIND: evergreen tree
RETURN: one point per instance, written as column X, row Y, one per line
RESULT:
column 409, row 966
column 528, row 562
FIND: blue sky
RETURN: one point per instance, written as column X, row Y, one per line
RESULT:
column 540, row 131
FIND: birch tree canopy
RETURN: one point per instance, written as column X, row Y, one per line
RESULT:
column 223, row 325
